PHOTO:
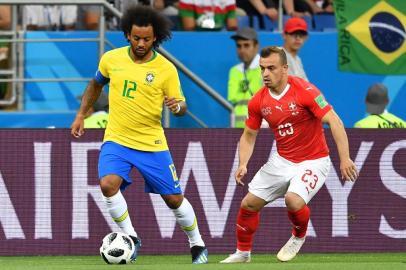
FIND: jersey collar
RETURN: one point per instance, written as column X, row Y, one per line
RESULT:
column 278, row 97
column 154, row 55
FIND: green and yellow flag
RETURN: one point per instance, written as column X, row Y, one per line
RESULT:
column 371, row 36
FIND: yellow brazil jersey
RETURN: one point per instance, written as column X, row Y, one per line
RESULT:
column 136, row 97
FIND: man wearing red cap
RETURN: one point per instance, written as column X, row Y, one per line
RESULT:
column 294, row 36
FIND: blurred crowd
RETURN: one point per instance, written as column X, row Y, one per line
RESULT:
column 188, row 15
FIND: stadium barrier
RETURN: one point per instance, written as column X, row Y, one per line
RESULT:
column 208, row 54
column 51, row 203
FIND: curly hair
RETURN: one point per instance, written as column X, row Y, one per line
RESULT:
column 144, row 16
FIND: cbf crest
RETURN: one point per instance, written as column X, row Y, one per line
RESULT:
column 149, row 78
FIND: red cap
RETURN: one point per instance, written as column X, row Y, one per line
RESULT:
column 295, row 24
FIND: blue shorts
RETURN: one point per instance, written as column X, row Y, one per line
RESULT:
column 157, row 168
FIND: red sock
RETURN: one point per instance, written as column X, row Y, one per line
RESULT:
column 247, row 224
column 300, row 219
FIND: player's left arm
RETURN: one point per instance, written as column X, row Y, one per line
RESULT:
column 347, row 167
column 177, row 107
column 174, row 98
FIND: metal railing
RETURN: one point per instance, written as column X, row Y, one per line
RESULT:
column 17, row 45
column 17, row 70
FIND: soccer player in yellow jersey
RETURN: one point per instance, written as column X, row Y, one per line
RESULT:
column 141, row 81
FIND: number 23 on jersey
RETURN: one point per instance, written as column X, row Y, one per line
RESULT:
column 285, row 129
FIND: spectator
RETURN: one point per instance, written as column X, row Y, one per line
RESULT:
column 5, row 17
column 125, row 4
column 297, row 8
column 5, row 24
column 89, row 17
column 49, row 17
column 294, row 36
column 328, row 6
column 244, row 78
column 208, row 14
column 376, row 101
column 97, row 115
column 294, row 8
column 122, row 5
column 167, row 7
column 259, row 8
column 321, row 6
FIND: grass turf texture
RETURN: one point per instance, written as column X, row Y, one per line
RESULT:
column 331, row 261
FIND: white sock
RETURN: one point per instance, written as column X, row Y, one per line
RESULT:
column 186, row 218
column 117, row 207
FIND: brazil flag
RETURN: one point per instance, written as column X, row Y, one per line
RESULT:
column 371, row 36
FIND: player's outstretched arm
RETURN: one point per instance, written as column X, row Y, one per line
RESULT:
column 246, row 147
column 347, row 167
column 90, row 96
column 178, row 108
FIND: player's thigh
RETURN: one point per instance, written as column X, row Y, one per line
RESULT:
column 271, row 181
column 310, row 177
column 159, row 172
column 113, row 160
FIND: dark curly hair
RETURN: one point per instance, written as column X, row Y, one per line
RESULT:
column 143, row 16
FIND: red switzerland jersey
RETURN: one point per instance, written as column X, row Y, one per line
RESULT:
column 294, row 117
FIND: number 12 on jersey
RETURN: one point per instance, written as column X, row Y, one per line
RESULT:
column 129, row 87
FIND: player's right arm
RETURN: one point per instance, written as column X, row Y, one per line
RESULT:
column 248, row 138
column 246, row 147
column 90, row 96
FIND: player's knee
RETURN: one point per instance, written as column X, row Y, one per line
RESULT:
column 248, row 205
column 173, row 201
column 109, row 186
column 252, row 203
column 294, row 202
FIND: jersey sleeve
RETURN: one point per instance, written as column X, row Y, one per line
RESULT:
column 102, row 74
column 173, row 87
column 314, row 100
column 254, row 118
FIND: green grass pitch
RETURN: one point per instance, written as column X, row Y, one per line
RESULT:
column 331, row 261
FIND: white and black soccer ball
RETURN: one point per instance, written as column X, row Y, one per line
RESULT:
column 117, row 248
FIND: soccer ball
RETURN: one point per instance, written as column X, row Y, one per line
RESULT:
column 117, row 248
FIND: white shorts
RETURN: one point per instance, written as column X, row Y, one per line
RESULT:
column 279, row 176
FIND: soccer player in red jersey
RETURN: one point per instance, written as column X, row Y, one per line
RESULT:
column 295, row 111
